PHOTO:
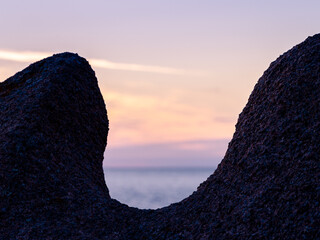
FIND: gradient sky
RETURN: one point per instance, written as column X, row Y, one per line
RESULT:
column 174, row 74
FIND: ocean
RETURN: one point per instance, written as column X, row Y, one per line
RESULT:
column 152, row 188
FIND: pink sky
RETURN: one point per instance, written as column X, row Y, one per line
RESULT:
column 172, row 73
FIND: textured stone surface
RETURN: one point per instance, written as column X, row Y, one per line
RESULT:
column 53, row 133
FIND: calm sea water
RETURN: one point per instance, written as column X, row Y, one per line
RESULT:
column 154, row 188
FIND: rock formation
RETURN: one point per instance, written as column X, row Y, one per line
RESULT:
column 54, row 129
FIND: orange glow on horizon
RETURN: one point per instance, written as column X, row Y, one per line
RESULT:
column 136, row 119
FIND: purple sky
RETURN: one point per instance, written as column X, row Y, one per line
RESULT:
column 172, row 73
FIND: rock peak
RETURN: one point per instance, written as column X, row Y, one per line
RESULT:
column 54, row 130
column 53, row 133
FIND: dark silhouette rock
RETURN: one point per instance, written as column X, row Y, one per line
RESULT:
column 53, row 134
column 54, row 129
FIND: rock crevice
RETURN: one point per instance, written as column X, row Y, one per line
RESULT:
column 53, row 132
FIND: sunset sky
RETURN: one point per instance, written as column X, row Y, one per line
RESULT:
column 174, row 74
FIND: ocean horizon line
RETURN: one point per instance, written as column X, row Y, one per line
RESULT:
column 206, row 168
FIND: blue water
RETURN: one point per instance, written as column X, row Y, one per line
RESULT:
column 154, row 188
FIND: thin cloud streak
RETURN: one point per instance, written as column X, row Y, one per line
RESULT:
column 136, row 67
column 29, row 56
column 22, row 56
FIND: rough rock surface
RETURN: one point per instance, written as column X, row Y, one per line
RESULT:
column 53, row 133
